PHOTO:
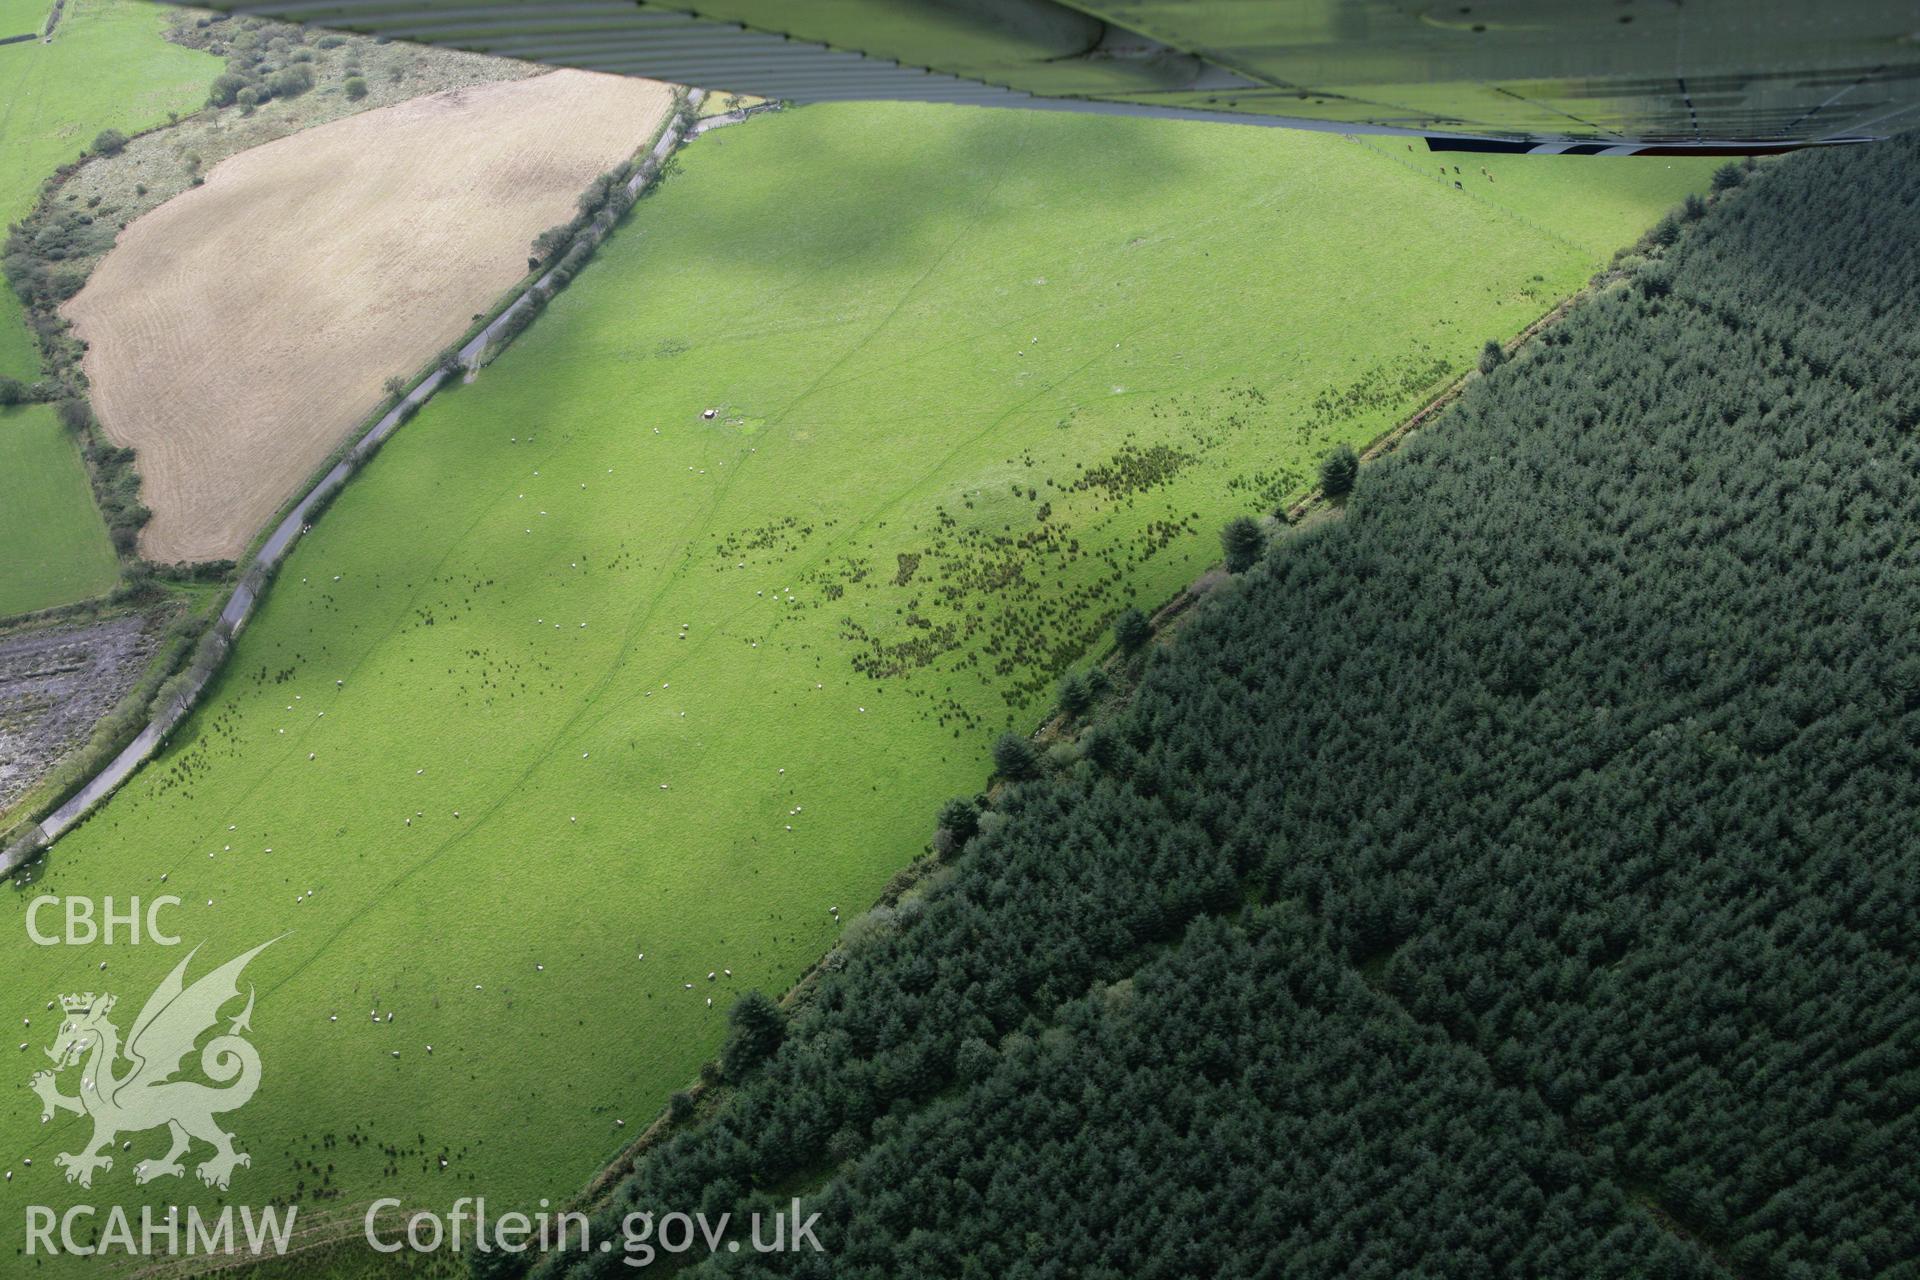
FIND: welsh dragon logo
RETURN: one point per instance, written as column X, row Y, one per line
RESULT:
column 143, row 1094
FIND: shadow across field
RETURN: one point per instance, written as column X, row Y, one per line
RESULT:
column 857, row 168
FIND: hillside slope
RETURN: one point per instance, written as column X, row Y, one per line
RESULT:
column 572, row 674
column 1513, row 877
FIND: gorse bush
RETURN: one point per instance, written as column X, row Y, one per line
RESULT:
column 225, row 89
column 276, row 60
column 291, row 81
column 1517, row 878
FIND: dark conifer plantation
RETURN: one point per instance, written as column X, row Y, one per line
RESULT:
column 1518, row 876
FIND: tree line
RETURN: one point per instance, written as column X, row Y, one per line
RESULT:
column 1514, row 876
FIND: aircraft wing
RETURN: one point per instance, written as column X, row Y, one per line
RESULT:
column 1586, row 77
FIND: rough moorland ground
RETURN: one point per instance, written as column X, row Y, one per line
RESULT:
column 573, row 674
column 236, row 333
column 55, row 682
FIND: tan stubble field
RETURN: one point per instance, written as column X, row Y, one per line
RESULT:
column 239, row 331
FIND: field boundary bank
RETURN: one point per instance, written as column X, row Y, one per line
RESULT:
column 266, row 558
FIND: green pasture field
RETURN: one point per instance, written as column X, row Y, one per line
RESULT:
column 21, row 17
column 107, row 67
column 572, row 673
column 19, row 356
column 56, row 547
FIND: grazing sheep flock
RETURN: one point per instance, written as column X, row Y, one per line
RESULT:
column 693, row 716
